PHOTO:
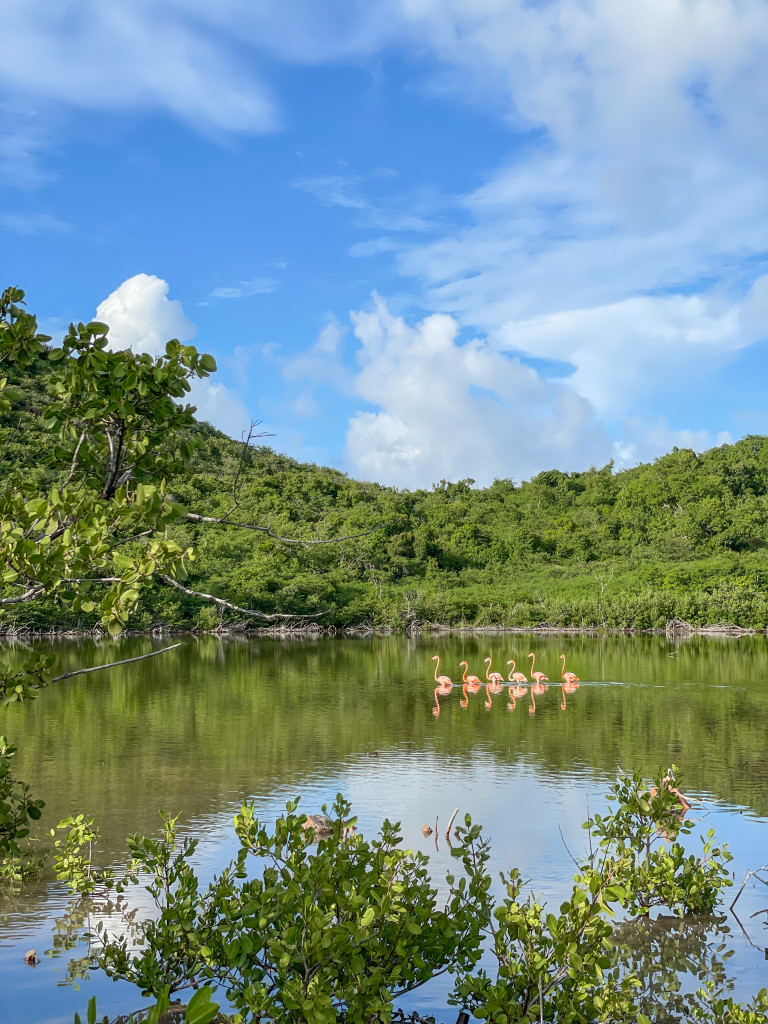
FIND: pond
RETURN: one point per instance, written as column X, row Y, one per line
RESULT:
column 218, row 721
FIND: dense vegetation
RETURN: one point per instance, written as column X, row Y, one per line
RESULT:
column 682, row 537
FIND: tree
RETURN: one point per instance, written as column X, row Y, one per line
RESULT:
column 95, row 531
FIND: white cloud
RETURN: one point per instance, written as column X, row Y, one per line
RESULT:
column 245, row 289
column 142, row 317
column 124, row 55
column 446, row 409
column 333, row 190
column 643, row 441
column 33, row 223
column 650, row 344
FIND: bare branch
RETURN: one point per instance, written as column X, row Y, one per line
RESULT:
column 113, row 664
column 224, row 521
column 251, row 436
column 27, row 595
column 73, row 466
column 235, row 608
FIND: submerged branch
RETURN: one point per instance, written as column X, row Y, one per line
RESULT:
column 113, row 664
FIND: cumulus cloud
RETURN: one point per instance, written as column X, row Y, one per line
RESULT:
column 142, row 317
column 451, row 409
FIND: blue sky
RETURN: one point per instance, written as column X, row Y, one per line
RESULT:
column 427, row 239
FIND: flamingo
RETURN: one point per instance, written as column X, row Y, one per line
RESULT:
column 569, row 677
column 471, row 681
column 441, row 680
column 532, row 705
column 567, row 688
column 489, row 702
column 538, row 676
column 464, row 702
column 516, row 677
column 492, row 677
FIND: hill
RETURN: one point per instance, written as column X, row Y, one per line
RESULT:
column 685, row 536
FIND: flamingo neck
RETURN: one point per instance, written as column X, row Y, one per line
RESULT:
column 437, row 666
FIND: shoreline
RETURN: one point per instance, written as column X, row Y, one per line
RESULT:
column 675, row 628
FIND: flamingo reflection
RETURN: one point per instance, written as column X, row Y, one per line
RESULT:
column 442, row 690
column 515, row 691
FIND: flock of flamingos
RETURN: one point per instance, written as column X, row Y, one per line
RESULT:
column 515, row 685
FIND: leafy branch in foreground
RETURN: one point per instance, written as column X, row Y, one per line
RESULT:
column 339, row 931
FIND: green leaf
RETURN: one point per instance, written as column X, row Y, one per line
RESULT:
column 200, row 1009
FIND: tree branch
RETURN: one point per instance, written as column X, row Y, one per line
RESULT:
column 113, row 664
column 28, row 595
column 224, row 521
column 234, row 607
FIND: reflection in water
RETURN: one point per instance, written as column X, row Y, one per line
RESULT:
column 672, row 958
column 443, row 690
column 570, row 687
column 515, row 691
column 199, row 730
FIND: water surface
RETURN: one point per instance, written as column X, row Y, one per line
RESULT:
column 202, row 728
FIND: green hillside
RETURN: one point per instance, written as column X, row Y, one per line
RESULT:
column 682, row 537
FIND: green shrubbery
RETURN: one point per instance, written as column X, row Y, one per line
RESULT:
column 339, row 931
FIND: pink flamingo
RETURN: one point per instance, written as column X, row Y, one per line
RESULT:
column 538, row 676
column 471, row 681
column 516, row 677
column 492, row 677
column 569, row 677
column 441, row 680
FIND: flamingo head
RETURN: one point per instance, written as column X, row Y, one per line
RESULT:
column 562, row 658
column 487, row 661
column 510, row 662
column 435, row 657
column 531, row 655
column 464, row 664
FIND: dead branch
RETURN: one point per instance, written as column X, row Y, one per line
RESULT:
column 234, row 607
column 224, row 521
column 750, row 874
column 448, row 830
column 113, row 664
column 28, row 595
column 245, row 447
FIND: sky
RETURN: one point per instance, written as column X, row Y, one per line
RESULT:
column 423, row 239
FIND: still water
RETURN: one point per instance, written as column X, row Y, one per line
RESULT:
column 214, row 722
